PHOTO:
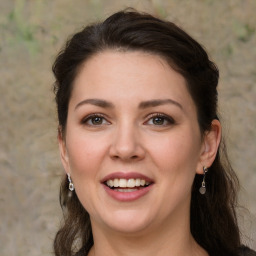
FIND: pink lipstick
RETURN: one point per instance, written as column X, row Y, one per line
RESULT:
column 127, row 186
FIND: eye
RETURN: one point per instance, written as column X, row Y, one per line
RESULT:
column 159, row 119
column 95, row 120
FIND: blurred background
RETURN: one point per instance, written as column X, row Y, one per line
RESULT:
column 31, row 34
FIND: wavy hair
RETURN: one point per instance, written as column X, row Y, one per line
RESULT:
column 213, row 217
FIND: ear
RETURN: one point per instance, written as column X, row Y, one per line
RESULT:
column 63, row 150
column 210, row 146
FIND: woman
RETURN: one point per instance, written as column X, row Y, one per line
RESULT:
column 139, row 139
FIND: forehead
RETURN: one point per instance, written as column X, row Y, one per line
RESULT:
column 127, row 76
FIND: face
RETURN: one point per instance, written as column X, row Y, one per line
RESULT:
column 132, row 143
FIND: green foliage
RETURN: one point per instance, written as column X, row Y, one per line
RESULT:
column 227, row 51
column 160, row 11
column 244, row 32
column 23, row 32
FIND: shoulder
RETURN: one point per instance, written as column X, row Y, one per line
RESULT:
column 245, row 251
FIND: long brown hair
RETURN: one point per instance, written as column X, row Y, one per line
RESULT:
column 213, row 217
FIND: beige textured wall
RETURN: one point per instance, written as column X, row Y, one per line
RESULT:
column 31, row 33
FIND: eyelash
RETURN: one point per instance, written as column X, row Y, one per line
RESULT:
column 166, row 118
column 90, row 118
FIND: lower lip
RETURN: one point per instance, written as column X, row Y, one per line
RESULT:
column 127, row 196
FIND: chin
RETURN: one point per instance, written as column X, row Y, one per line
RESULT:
column 127, row 221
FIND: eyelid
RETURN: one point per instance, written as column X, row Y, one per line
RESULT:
column 90, row 116
column 162, row 115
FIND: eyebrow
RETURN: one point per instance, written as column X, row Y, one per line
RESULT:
column 96, row 102
column 159, row 102
column 142, row 105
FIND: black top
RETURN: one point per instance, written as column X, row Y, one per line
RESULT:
column 245, row 251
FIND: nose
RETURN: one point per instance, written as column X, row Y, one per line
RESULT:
column 127, row 144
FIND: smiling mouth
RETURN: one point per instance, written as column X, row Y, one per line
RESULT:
column 127, row 185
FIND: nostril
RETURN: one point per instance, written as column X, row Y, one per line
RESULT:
column 126, row 151
column 134, row 157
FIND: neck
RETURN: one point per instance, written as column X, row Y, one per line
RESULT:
column 166, row 239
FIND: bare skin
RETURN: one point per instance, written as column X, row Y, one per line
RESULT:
column 134, row 116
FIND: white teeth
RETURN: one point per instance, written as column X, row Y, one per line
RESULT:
column 123, row 183
column 125, row 190
column 142, row 182
column 110, row 183
column 131, row 183
column 116, row 183
column 137, row 183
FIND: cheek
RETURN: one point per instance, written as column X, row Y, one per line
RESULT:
column 85, row 153
column 177, row 151
column 86, row 156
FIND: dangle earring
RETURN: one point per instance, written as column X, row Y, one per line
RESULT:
column 70, row 185
column 202, row 190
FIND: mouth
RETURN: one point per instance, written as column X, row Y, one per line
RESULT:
column 127, row 185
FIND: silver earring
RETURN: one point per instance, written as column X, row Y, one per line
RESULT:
column 202, row 190
column 70, row 185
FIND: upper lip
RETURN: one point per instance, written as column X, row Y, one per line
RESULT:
column 128, row 175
